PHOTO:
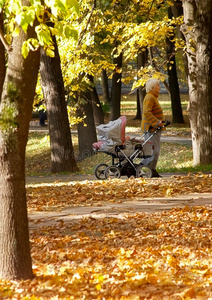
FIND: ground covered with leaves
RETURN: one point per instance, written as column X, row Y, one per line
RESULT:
column 162, row 255
column 59, row 195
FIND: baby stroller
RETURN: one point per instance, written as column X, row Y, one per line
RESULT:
column 130, row 157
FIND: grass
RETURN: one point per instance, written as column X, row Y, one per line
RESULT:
column 174, row 157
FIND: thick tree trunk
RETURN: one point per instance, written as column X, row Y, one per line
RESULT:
column 2, row 57
column 177, row 115
column 62, row 154
column 105, row 87
column 116, row 89
column 16, row 105
column 198, row 32
column 86, row 129
column 141, row 92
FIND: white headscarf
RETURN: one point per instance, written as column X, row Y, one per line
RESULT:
column 151, row 83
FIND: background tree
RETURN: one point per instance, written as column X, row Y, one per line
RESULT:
column 177, row 114
column 105, row 86
column 116, row 88
column 86, row 129
column 108, row 22
column 142, row 61
column 80, row 65
column 62, row 154
column 96, row 104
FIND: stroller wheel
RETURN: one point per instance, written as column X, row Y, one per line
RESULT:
column 100, row 171
column 143, row 171
column 112, row 172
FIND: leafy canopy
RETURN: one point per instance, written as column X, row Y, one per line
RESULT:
column 23, row 14
column 109, row 28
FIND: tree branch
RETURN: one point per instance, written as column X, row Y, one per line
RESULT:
column 86, row 27
column 156, row 68
column 7, row 46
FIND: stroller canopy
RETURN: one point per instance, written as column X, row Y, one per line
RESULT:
column 114, row 130
column 111, row 134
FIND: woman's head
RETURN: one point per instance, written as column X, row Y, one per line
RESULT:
column 151, row 84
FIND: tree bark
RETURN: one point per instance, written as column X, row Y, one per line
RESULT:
column 97, row 108
column 2, row 57
column 16, row 106
column 116, row 89
column 198, row 33
column 141, row 92
column 105, row 87
column 62, row 153
column 177, row 115
column 86, row 129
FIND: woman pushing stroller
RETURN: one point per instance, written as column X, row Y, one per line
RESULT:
column 132, row 157
column 152, row 118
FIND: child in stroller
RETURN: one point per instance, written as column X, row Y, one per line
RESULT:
column 130, row 157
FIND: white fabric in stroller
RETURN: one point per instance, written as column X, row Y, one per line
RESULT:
column 110, row 135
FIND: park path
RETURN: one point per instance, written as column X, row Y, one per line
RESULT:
column 165, row 138
column 119, row 210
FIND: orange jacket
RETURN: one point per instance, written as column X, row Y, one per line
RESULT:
column 152, row 112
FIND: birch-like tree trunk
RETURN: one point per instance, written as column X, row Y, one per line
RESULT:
column 198, row 32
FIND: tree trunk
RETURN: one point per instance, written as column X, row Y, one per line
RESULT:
column 2, row 57
column 86, row 129
column 16, row 105
column 105, row 87
column 141, row 92
column 116, row 89
column 177, row 114
column 198, row 32
column 62, row 154
column 177, row 11
column 97, row 108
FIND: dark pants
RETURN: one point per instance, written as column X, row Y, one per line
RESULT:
column 42, row 117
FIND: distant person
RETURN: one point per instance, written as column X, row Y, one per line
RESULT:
column 153, row 116
column 42, row 114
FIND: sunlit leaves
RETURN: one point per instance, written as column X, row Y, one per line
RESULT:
column 62, row 5
column 54, row 11
column 70, row 32
column 165, row 255
column 30, row 44
column 144, row 73
column 25, row 17
column 43, row 34
column 88, row 193
column 72, row 116
column 110, row 29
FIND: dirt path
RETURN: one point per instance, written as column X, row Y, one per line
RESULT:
column 120, row 210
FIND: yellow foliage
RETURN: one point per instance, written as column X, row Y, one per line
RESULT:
column 73, row 118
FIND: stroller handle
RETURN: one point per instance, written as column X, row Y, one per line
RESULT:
column 165, row 122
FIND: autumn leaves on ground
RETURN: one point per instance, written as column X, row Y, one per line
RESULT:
column 163, row 255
